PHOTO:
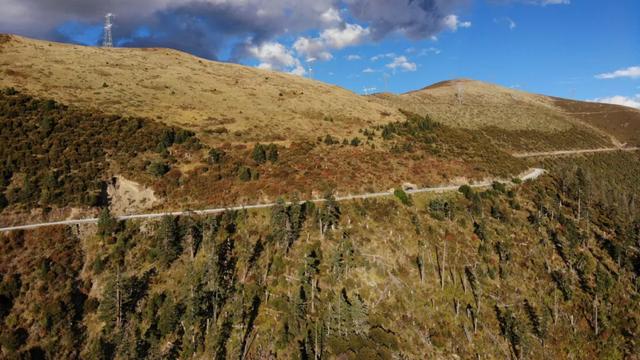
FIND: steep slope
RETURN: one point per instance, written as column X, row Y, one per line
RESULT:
column 620, row 121
column 225, row 102
column 519, row 120
column 220, row 101
column 547, row 269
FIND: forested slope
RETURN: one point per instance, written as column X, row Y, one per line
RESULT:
column 547, row 269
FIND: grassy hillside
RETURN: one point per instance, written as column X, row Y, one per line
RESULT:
column 538, row 270
column 222, row 102
column 59, row 157
column 620, row 121
column 229, row 103
column 521, row 121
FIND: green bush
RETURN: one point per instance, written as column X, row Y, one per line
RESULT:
column 439, row 209
column 217, row 156
column 467, row 191
column 272, row 153
column 499, row 187
column 355, row 141
column 158, row 169
column 404, row 198
column 244, row 173
column 329, row 140
column 259, row 154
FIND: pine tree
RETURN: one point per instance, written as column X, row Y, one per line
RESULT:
column 259, row 154
column 272, row 152
column 168, row 238
column 107, row 224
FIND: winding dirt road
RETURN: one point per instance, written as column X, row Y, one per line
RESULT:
column 573, row 152
column 529, row 175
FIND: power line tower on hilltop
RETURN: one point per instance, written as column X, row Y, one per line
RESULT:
column 107, row 41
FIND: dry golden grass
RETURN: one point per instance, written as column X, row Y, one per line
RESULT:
column 230, row 103
column 474, row 104
column 183, row 90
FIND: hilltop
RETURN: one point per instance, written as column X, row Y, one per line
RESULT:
column 220, row 101
column 225, row 102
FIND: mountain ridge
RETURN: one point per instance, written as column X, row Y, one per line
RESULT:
column 227, row 102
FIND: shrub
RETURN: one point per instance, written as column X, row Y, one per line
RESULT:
column 158, row 169
column 272, row 153
column 217, row 156
column 13, row 340
column 439, row 209
column 499, row 187
column 183, row 135
column 329, row 140
column 3, row 201
column 403, row 197
column 355, row 141
column 259, row 154
column 467, row 191
column 244, row 173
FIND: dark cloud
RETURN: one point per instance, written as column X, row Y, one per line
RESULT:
column 417, row 19
column 204, row 27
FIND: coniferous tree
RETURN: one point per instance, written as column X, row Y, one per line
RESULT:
column 107, row 224
column 259, row 154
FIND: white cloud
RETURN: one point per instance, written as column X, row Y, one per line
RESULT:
column 402, row 63
column 369, row 90
column 382, row 56
column 368, row 70
column 554, row 2
column 630, row 72
column 431, row 50
column 330, row 39
column 633, row 101
column 331, row 16
column 511, row 24
column 353, row 57
column 275, row 56
column 452, row 22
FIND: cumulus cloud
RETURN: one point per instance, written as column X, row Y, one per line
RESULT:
column 208, row 28
column 353, row 57
column 402, row 63
column 330, row 39
column 453, row 23
column 417, row 19
column 632, row 101
column 382, row 56
column 275, row 56
column 630, row 72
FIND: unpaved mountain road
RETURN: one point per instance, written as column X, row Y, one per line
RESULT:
column 573, row 152
column 529, row 175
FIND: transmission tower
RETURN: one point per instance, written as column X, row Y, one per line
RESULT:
column 107, row 41
column 459, row 93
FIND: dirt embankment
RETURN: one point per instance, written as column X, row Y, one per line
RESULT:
column 127, row 197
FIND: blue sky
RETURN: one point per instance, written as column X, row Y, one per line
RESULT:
column 583, row 49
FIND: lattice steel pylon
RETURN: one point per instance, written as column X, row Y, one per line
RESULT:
column 107, row 40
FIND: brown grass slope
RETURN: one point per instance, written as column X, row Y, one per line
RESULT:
column 232, row 103
column 477, row 105
column 180, row 89
column 620, row 121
